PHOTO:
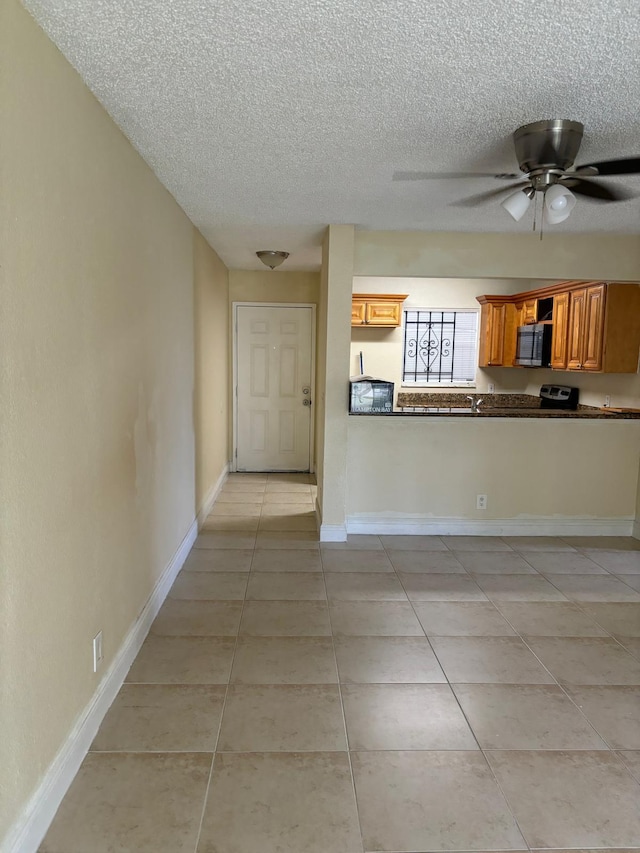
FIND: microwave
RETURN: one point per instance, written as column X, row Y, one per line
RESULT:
column 533, row 346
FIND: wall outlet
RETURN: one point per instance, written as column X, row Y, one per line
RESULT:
column 97, row 651
column 607, row 401
column 491, row 388
column 481, row 501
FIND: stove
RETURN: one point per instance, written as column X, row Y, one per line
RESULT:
column 559, row 397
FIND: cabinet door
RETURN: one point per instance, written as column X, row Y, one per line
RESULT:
column 358, row 308
column 559, row 338
column 593, row 328
column 492, row 322
column 385, row 313
column 576, row 329
column 530, row 311
column 496, row 342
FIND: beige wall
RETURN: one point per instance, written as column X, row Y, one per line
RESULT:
column 273, row 286
column 96, row 353
column 446, row 255
column 212, row 366
column 417, row 469
column 332, row 391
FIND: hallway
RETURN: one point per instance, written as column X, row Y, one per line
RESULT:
column 391, row 693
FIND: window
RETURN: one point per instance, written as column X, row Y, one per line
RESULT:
column 440, row 347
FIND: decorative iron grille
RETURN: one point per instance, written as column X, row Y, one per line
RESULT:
column 439, row 346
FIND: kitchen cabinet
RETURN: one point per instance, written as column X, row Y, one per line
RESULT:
column 498, row 319
column 586, row 328
column 559, row 338
column 596, row 325
column 383, row 310
column 529, row 312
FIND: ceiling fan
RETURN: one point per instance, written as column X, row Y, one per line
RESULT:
column 546, row 151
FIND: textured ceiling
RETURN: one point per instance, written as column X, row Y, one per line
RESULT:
column 269, row 119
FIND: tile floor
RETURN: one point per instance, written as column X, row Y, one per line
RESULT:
column 393, row 693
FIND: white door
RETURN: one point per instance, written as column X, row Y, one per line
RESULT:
column 273, row 375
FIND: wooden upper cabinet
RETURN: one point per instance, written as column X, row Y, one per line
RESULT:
column 529, row 312
column 592, row 349
column 596, row 325
column 377, row 309
column 577, row 302
column 358, row 311
column 559, row 338
column 586, row 328
column 381, row 313
column 495, row 334
column 499, row 319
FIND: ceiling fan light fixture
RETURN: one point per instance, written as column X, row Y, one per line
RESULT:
column 271, row 258
column 558, row 204
column 518, row 202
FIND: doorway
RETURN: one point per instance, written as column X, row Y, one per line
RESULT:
column 274, row 347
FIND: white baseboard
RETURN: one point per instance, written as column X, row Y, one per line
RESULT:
column 541, row 526
column 212, row 496
column 31, row 826
column 333, row 533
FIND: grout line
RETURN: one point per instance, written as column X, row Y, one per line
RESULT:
column 222, row 711
column 344, row 716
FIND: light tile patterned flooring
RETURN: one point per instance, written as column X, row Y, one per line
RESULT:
column 401, row 693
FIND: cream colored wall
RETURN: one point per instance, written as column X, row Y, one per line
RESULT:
column 426, row 469
column 212, row 368
column 445, row 255
column 96, row 353
column 273, row 286
column 332, row 391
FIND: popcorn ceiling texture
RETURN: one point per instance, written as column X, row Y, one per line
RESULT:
column 268, row 120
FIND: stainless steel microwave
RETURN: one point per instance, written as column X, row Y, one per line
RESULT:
column 533, row 347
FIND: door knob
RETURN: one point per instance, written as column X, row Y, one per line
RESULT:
column 306, row 402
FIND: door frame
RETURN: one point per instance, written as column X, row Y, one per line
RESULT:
column 233, row 464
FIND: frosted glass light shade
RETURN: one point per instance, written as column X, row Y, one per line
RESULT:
column 518, row 203
column 558, row 204
column 271, row 258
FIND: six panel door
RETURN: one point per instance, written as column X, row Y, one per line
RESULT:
column 273, row 358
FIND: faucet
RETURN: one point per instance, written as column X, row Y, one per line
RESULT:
column 475, row 402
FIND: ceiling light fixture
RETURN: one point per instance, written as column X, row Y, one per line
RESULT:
column 272, row 259
column 518, row 202
column 558, row 203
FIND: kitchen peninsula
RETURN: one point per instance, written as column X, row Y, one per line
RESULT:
column 495, row 406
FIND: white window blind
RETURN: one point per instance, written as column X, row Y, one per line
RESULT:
column 440, row 347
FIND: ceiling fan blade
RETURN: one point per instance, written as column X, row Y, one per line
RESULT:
column 428, row 176
column 598, row 191
column 480, row 198
column 626, row 166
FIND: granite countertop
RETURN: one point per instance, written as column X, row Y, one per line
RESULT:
column 495, row 406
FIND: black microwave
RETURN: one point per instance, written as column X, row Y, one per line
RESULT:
column 533, row 347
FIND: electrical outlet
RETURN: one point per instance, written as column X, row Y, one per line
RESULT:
column 491, row 388
column 97, row 651
column 607, row 401
column 481, row 501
